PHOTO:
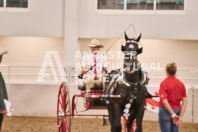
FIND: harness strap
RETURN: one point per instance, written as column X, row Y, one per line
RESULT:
column 110, row 88
column 131, row 100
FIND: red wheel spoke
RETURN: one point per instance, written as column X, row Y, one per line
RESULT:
column 61, row 118
column 66, row 105
column 60, row 128
column 60, row 111
column 60, row 102
column 67, row 112
column 67, row 128
column 62, row 93
column 62, row 96
column 63, row 109
column 66, row 124
column 66, row 94
column 67, row 119
column 62, row 105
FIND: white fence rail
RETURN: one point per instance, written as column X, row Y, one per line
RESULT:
column 33, row 71
column 29, row 74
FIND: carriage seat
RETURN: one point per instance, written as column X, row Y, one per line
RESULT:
column 94, row 102
column 96, row 88
column 92, row 92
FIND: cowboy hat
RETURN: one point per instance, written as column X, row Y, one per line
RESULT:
column 95, row 43
column 2, row 52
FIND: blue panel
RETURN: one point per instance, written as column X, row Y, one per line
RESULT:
column 151, row 1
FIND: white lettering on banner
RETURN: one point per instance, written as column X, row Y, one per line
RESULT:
column 159, row 67
column 48, row 62
column 78, row 55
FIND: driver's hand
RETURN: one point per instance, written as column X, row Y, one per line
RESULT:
column 84, row 70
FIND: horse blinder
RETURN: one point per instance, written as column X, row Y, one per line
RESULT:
column 139, row 51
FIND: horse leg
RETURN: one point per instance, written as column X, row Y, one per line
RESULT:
column 129, row 124
column 139, row 118
column 117, row 118
column 111, row 117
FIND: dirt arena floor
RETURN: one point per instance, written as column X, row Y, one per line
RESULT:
column 44, row 124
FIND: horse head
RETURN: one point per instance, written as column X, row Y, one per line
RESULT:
column 131, row 50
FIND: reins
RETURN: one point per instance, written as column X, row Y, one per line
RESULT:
column 121, row 36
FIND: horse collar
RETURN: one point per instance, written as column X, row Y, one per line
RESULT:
column 143, row 80
column 130, row 83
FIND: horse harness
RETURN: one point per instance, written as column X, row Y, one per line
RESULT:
column 120, row 79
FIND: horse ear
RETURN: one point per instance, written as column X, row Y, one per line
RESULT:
column 126, row 37
column 138, row 39
column 123, row 48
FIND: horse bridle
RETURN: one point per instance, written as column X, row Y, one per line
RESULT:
column 136, row 86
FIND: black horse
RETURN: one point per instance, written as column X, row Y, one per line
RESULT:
column 128, row 82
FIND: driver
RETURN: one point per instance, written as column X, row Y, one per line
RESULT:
column 93, row 67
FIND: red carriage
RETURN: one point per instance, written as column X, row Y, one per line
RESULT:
column 94, row 99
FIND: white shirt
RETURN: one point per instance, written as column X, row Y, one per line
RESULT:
column 88, row 62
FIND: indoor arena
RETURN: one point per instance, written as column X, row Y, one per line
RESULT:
column 98, row 66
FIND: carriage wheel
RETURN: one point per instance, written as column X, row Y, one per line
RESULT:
column 63, row 109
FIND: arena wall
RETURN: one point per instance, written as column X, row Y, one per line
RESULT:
column 92, row 24
column 29, row 51
column 46, row 18
column 183, row 52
